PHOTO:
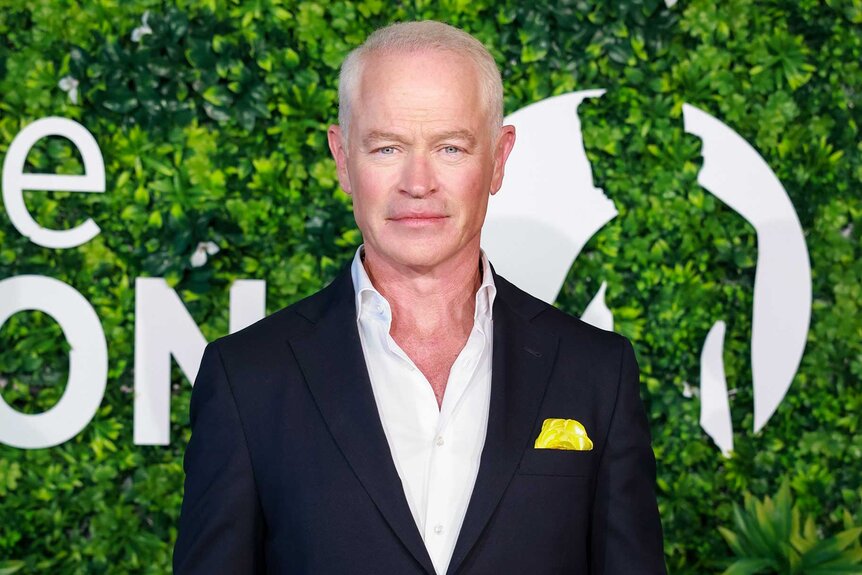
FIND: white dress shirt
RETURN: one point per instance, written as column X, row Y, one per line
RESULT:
column 436, row 450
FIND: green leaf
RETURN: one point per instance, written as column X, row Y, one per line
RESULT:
column 749, row 567
column 10, row 567
column 830, row 549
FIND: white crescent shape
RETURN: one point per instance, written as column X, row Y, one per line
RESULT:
column 736, row 174
column 548, row 207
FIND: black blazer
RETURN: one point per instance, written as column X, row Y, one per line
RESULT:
column 288, row 470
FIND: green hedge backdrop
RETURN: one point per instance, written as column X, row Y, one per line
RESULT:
column 213, row 129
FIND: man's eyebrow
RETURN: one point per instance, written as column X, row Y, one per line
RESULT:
column 381, row 136
column 465, row 135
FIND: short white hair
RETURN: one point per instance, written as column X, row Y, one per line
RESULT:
column 409, row 37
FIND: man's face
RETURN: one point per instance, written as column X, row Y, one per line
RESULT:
column 421, row 161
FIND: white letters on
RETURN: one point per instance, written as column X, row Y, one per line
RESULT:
column 164, row 329
column 529, row 242
column 15, row 181
column 88, row 362
column 247, row 303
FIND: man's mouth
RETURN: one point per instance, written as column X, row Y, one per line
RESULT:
column 418, row 218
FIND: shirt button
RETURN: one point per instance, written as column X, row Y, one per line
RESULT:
column 379, row 308
column 438, row 529
column 439, row 441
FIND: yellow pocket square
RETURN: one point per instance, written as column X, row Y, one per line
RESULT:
column 566, row 434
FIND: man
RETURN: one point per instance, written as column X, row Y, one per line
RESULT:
column 393, row 422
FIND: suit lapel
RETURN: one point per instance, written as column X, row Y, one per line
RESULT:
column 522, row 360
column 331, row 359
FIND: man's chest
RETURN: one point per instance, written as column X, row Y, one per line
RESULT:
column 434, row 359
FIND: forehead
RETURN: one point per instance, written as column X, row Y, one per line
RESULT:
column 426, row 87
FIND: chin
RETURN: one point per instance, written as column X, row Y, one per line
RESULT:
column 416, row 250
column 417, row 256
column 415, row 259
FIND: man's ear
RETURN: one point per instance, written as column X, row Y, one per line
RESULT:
column 339, row 153
column 504, row 145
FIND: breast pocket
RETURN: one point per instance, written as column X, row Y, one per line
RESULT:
column 557, row 462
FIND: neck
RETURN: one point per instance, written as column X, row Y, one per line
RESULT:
column 428, row 301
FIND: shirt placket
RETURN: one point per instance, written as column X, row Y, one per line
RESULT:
column 445, row 474
column 437, row 523
column 445, row 440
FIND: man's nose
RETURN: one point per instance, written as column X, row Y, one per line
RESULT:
column 417, row 178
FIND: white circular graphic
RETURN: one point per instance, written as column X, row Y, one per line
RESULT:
column 549, row 208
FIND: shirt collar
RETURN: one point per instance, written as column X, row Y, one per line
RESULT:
column 367, row 294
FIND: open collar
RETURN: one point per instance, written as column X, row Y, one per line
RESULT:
column 330, row 356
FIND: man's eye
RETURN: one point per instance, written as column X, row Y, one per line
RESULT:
column 386, row 150
column 451, row 149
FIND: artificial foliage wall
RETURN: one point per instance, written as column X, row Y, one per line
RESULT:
column 212, row 116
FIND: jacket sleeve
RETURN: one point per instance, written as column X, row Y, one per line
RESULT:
column 221, row 525
column 626, row 534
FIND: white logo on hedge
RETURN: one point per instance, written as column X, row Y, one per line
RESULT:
column 164, row 329
column 534, row 232
column 549, row 208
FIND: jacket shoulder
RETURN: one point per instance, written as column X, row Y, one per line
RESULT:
column 285, row 323
column 547, row 317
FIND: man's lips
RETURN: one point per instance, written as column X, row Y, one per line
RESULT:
column 418, row 218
